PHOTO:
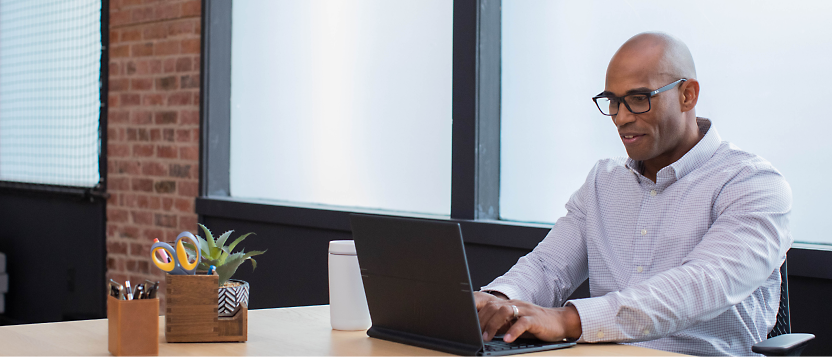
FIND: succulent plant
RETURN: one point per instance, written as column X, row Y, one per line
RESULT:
column 216, row 253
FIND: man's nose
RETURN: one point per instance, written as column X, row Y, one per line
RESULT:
column 623, row 117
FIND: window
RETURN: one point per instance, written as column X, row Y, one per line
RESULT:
column 344, row 103
column 762, row 68
column 50, row 68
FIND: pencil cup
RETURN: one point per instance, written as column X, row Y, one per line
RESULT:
column 347, row 302
column 133, row 327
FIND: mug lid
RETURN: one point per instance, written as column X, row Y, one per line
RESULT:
column 342, row 247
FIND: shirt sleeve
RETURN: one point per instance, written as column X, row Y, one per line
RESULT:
column 558, row 265
column 747, row 241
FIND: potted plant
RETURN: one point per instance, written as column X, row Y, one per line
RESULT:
column 215, row 252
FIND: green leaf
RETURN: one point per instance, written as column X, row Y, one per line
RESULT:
column 238, row 240
column 253, row 264
column 221, row 240
column 203, row 245
column 208, row 236
column 227, row 270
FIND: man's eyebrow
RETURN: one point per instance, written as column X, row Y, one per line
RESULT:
column 639, row 90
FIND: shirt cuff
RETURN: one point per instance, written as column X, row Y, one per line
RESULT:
column 506, row 290
column 597, row 320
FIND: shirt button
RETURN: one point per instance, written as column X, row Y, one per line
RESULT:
column 643, row 232
column 639, row 269
column 646, row 331
column 600, row 334
column 652, row 192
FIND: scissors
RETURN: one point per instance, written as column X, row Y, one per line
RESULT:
column 179, row 265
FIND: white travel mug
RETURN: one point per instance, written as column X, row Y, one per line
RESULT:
column 347, row 302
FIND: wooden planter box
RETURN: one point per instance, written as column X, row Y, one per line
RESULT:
column 191, row 312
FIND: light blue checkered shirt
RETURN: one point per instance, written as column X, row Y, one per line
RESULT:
column 688, row 264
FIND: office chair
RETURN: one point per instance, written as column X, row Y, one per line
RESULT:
column 781, row 341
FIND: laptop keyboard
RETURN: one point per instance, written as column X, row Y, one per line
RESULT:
column 500, row 345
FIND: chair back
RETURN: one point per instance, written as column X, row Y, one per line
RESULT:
column 783, row 324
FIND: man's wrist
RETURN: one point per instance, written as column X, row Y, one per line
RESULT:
column 497, row 294
column 572, row 322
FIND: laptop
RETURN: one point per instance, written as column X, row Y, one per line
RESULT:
column 418, row 288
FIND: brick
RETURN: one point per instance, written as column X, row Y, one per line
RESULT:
column 144, row 265
column 130, row 265
column 141, row 84
column 141, row 184
column 148, row 202
column 112, row 101
column 118, row 18
column 155, row 32
column 155, row 135
column 167, row 203
column 114, row 69
column 166, row 151
column 165, row 220
column 140, row 150
column 179, row 170
column 131, row 35
column 183, row 64
column 128, row 200
column 168, row 117
column 113, row 36
column 128, row 167
column 167, row 11
column 118, row 51
column 169, row 65
column 130, row 99
column 149, row 67
column 192, row 8
column 129, row 232
column 167, row 83
column 153, row 99
column 142, row 49
column 181, row 28
column 154, row 169
column 116, row 248
column 167, row 134
column 130, row 67
column 118, row 150
column 183, row 135
column 190, row 117
column 118, row 183
column 142, row 218
column 182, row 98
column 189, row 81
column 118, row 117
column 169, row 47
column 188, row 223
column 196, row 97
column 142, row 14
column 116, row 215
column 165, row 187
column 153, row 233
column 183, row 205
column 140, row 117
column 189, row 153
column 191, row 46
column 188, row 188
column 117, row 85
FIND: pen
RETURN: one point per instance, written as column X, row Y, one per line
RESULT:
column 211, row 270
column 163, row 255
column 139, row 293
column 128, row 292
column 152, row 293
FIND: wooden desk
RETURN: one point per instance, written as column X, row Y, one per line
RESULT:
column 288, row 331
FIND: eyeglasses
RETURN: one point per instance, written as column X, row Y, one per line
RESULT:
column 636, row 103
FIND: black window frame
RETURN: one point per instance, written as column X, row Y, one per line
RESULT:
column 475, row 169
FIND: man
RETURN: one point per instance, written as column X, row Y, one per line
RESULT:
column 681, row 242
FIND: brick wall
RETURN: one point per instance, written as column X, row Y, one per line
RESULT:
column 153, row 130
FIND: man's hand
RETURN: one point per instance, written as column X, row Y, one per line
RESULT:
column 548, row 324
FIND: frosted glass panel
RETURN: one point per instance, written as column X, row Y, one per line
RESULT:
column 763, row 69
column 50, row 72
column 343, row 103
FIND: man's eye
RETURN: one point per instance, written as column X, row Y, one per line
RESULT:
column 637, row 98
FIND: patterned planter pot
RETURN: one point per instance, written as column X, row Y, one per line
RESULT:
column 231, row 297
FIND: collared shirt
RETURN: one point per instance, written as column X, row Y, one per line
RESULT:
column 687, row 264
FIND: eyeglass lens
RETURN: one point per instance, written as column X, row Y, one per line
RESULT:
column 636, row 103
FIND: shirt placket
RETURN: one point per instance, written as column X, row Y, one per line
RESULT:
column 644, row 232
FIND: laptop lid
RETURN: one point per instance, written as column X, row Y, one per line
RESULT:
column 416, row 280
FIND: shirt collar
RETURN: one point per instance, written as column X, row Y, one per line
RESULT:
column 698, row 155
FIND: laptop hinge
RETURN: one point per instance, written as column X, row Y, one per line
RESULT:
column 424, row 341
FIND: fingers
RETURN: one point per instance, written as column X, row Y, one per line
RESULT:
column 494, row 316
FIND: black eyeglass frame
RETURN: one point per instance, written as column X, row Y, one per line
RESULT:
column 648, row 94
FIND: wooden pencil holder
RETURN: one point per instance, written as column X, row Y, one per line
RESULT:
column 191, row 311
column 133, row 327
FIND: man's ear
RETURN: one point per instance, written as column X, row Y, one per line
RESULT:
column 689, row 94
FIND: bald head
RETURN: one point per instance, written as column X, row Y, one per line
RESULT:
column 655, row 54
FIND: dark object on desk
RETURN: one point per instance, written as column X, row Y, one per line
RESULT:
column 418, row 289
column 781, row 341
